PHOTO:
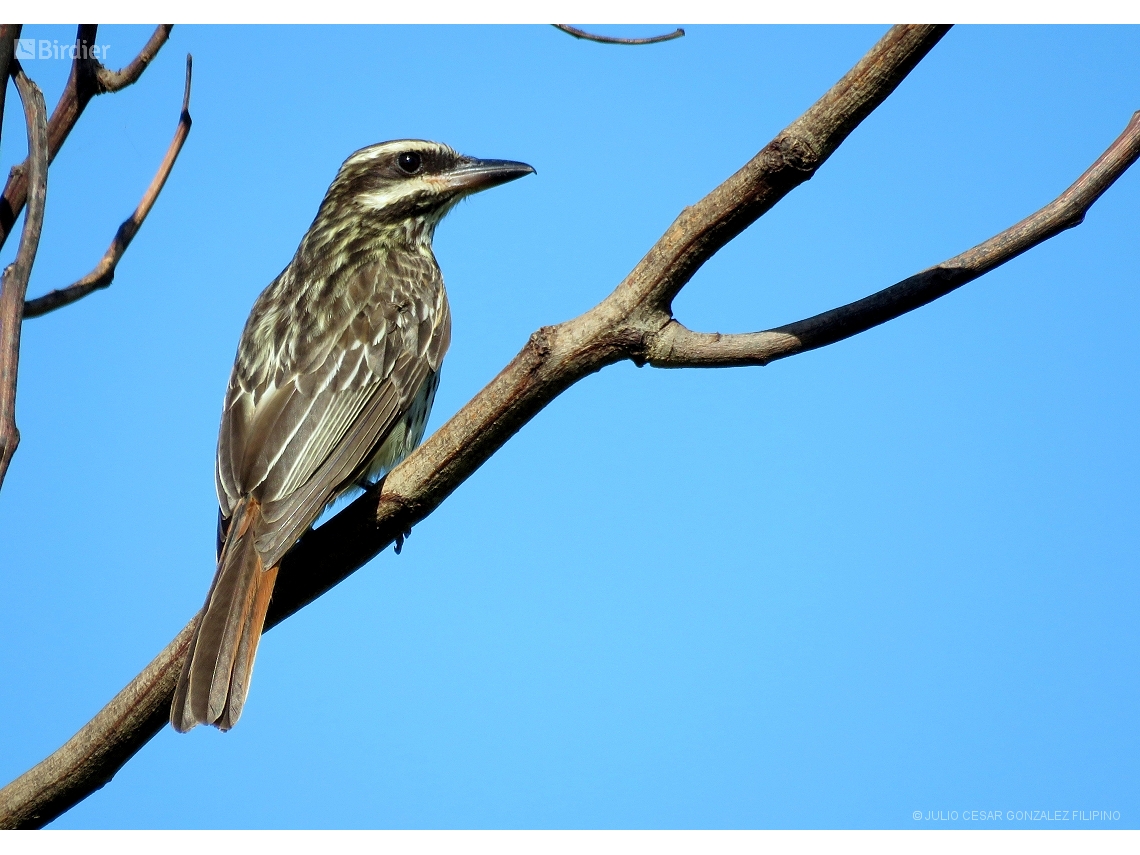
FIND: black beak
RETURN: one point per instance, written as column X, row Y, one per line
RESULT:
column 471, row 175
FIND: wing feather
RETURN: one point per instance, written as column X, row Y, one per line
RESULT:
column 278, row 417
column 231, row 444
column 294, row 512
column 341, row 409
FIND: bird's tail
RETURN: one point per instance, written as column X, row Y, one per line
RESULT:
column 215, row 677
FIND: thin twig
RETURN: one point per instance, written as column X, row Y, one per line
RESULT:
column 613, row 40
column 14, row 283
column 104, row 272
column 82, row 86
column 113, row 81
column 554, row 359
column 678, row 347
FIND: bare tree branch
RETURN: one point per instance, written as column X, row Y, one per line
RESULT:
column 678, row 347
column 553, row 359
column 113, row 81
column 104, row 272
column 82, row 86
column 63, row 118
column 612, row 40
column 14, row 284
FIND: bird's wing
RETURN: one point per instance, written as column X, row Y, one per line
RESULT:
column 300, row 423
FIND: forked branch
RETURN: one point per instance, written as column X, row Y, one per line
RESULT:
column 677, row 347
column 113, row 81
column 88, row 79
column 104, row 272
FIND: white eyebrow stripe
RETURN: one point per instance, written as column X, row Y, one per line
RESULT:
column 380, row 150
column 367, row 155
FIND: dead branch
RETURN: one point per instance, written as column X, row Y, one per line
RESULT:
column 83, row 84
column 632, row 323
column 104, row 272
column 612, row 40
column 113, row 81
column 14, row 284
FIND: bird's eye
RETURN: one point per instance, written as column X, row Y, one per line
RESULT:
column 409, row 162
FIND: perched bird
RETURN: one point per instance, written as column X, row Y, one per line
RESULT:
column 334, row 378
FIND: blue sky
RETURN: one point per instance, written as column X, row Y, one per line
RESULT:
column 897, row 574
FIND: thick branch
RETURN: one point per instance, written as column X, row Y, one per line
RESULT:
column 83, row 84
column 14, row 283
column 612, row 40
column 104, row 272
column 678, row 347
column 554, row 359
column 89, row 759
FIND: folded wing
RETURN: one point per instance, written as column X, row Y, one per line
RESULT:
column 305, row 419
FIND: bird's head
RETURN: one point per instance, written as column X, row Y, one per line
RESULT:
column 412, row 183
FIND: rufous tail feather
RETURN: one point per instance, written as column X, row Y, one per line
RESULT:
column 215, row 677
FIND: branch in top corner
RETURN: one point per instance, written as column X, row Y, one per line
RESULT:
column 88, row 79
column 613, row 40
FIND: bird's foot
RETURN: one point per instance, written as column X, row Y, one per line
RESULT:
column 401, row 537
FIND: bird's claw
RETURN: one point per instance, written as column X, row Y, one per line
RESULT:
column 401, row 537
